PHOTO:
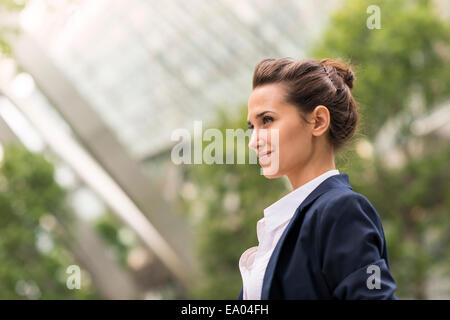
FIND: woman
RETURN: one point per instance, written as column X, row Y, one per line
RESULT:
column 322, row 240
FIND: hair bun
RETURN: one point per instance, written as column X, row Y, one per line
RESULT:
column 349, row 78
column 342, row 71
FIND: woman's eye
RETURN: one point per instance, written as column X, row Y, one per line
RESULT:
column 267, row 119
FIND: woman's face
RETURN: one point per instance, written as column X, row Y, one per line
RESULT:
column 268, row 110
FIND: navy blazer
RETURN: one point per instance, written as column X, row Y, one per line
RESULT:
column 330, row 248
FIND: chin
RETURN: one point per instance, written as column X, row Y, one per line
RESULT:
column 270, row 173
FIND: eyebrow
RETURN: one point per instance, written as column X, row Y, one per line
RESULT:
column 259, row 115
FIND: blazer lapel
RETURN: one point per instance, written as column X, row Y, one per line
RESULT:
column 336, row 181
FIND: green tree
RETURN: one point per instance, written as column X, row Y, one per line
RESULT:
column 33, row 254
column 408, row 56
column 403, row 72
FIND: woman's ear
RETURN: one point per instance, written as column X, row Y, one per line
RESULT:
column 320, row 117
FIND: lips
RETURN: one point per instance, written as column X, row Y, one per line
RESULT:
column 264, row 155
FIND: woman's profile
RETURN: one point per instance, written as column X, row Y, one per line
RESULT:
column 322, row 240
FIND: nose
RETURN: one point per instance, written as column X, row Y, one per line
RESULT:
column 255, row 141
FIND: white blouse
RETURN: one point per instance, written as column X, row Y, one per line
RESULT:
column 269, row 229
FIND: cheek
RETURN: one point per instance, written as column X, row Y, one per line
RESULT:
column 294, row 146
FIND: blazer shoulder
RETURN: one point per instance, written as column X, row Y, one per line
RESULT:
column 344, row 208
column 348, row 212
column 340, row 201
column 341, row 194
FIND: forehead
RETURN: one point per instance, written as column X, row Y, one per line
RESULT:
column 266, row 97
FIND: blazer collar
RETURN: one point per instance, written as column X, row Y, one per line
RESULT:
column 280, row 212
column 336, row 181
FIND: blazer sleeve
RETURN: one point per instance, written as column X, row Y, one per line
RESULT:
column 352, row 250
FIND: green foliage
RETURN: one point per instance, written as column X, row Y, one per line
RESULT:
column 8, row 7
column 408, row 57
column 108, row 228
column 28, row 196
column 410, row 54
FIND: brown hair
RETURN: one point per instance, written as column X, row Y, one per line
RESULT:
column 310, row 83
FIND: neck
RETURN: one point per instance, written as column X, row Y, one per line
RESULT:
column 316, row 166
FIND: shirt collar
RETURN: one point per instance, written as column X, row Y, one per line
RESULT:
column 282, row 211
